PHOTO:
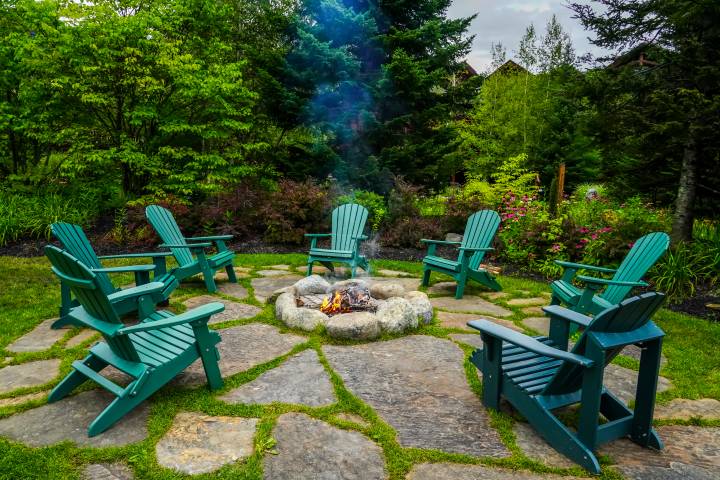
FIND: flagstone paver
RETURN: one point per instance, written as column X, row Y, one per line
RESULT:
column 242, row 348
column 319, row 269
column 408, row 284
column 527, row 302
column 454, row 471
column 279, row 267
column 81, row 338
column 418, row 385
column 622, row 382
column 240, row 272
column 494, row 295
column 538, row 449
column 301, row 379
column 19, row 400
column 69, row 419
column 107, row 471
column 233, row 310
column 272, row 273
column 459, row 320
column 310, row 449
column 633, row 351
column 198, row 443
column 394, row 273
column 683, row 409
column 472, row 339
column 351, row 417
column 442, row 288
column 28, row 374
column 690, row 452
column 533, row 311
column 470, row 304
column 38, row 339
column 233, row 289
column 264, row 287
column 539, row 324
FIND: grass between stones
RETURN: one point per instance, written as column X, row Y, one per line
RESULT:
column 30, row 294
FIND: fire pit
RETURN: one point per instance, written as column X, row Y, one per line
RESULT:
column 352, row 309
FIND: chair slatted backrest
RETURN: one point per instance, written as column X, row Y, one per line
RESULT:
column 626, row 316
column 75, row 241
column 85, row 286
column 167, row 228
column 479, row 233
column 642, row 256
column 348, row 222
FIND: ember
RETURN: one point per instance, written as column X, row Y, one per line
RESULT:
column 350, row 299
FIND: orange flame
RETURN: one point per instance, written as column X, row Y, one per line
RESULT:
column 333, row 306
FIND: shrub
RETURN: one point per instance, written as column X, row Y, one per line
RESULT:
column 680, row 271
column 295, row 209
column 377, row 209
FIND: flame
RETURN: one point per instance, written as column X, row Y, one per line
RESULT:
column 332, row 306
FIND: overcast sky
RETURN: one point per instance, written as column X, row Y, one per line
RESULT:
column 505, row 22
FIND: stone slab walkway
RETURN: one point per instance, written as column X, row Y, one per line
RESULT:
column 453, row 471
column 28, row 374
column 459, row 320
column 417, row 384
column 38, row 339
column 470, row 304
column 233, row 310
column 264, row 287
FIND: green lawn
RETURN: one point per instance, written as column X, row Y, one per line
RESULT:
column 30, row 294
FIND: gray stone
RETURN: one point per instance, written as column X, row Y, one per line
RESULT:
column 459, row 320
column 198, row 443
column 453, row 237
column 534, row 311
column 301, row 379
column 307, row 319
column 38, row 339
column 418, row 385
column 69, row 419
column 396, row 315
column 240, row 272
column 315, row 269
column 233, row 310
column 454, row 471
column 285, row 301
column 468, row 304
column 527, row 302
column 633, row 351
column 349, row 283
column 282, row 266
column 394, row 273
column 81, row 338
column 407, row 283
column 539, row 324
column 472, row 339
column 352, row 418
column 442, row 288
column 422, row 306
column 494, row 295
column 272, row 273
column 21, row 399
column 233, row 290
column 242, row 348
column 29, row 374
column 313, row 284
column 538, row 449
column 690, row 453
column 354, row 326
column 622, row 382
column 107, row 471
column 264, row 287
column 385, row 290
column 683, row 409
column 309, row 449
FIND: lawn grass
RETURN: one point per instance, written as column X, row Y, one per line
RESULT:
column 30, row 294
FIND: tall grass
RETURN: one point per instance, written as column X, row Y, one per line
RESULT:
column 30, row 216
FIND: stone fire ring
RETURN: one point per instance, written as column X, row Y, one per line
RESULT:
column 398, row 311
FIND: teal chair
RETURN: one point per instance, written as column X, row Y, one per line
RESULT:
column 152, row 352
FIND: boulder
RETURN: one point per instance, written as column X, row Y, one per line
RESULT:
column 396, row 315
column 422, row 306
column 354, row 326
column 453, row 237
column 314, row 284
column 384, row 290
column 303, row 318
column 285, row 301
column 353, row 282
column 276, row 293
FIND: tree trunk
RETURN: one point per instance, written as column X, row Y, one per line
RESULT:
column 683, row 218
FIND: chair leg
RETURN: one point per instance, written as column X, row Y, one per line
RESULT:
column 309, row 268
column 426, row 277
column 642, row 432
column 75, row 379
column 209, row 355
column 231, row 273
column 491, row 370
column 209, row 277
column 460, row 289
column 117, row 409
column 353, row 270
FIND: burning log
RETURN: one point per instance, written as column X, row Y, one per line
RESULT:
column 350, row 299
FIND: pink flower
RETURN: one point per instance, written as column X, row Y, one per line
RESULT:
column 594, row 236
column 584, row 230
column 556, row 247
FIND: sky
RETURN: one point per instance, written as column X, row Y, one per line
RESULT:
column 505, row 22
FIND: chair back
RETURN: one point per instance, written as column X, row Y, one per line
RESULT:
column 85, row 285
column 348, row 222
column 480, row 231
column 629, row 315
column 642, row 256
column 167, row 229
column 75, row 241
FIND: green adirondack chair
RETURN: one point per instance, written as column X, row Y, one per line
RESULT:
column 75, row 241
column 479, row 234
column 348, row 224
column 164, row 224
column 643, row 255
column 152, row 352
column 538, row 375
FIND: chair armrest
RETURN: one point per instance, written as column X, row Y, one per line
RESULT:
column 647, row 332
column 580, row 266
column 603, row 281
column 147, row 289
column 137, row 255
column 311, row 235
column 203, row 312
column 566, row 314
column 211, row 238
column 87, row 320
column 360, row 237
column 190, row 246
column 125, row 269
column 473, row 250
column 528, row 343
column 439, row 242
